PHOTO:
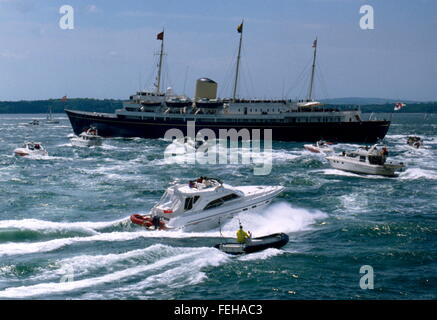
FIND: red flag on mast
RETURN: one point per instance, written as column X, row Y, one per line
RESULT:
column 160, row 36
column 240, row 28
column 64, row 98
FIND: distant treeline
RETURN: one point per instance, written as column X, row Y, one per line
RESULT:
column 425, row 107
column 58, row 106
column 109, row 105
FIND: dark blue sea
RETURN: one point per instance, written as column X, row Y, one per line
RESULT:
column 65, row 230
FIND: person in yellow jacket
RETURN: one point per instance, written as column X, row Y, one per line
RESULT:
column 242, row 236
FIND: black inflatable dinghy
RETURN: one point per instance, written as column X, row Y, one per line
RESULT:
column 276, row 240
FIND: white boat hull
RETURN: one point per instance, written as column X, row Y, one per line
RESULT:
column 78, row 142
column 212, row 218
column 23, row 152
column 315, row 149
column 341, row 163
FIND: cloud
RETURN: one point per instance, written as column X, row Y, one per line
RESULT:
column 11, row 55
column 183, row 16
column 92, row 8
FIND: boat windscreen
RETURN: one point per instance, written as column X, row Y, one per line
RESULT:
column 169, row 201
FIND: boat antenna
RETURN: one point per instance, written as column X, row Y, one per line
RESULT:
column 310, row 91
column 240, row 31
column 160, row 36
column 185, row 79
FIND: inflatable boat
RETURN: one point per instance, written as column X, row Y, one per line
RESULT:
column 276, row 240
column 148, row 222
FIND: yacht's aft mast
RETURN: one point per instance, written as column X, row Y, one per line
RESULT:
column 310, row 92
column 160, row 36
column 240, row 31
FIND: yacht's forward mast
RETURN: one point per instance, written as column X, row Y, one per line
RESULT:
column 240, row 31
column 313, row 69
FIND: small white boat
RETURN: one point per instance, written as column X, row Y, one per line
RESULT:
column 184, row 146
column 203, row 204
column 31, row 149
column 320, row 146
column 50, row 118
column 366, row 161
column 88, row 138
column 34, row 122
column 415, row 142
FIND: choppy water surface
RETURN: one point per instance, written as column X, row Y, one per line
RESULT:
column 65, row 234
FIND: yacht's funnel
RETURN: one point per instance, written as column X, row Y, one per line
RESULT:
column 206, row 89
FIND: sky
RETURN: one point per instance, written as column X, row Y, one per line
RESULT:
column 111, row 52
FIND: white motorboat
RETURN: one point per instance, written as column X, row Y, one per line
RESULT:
column 366, row 160
column 320, row 146
column 34, row 122
column 31, row 149
column 415, row 142
column 203, row 204
column 88, row 138
column 183, row 146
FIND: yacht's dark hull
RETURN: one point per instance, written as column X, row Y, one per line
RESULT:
column 112, row 126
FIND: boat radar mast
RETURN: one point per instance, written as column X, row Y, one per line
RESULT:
column 240, row 31
column 160, row 36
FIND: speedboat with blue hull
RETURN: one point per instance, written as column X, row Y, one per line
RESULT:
column 276, row 240
column 151, row 113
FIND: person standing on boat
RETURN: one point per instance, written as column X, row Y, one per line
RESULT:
column 156, row 221
column 242, row 236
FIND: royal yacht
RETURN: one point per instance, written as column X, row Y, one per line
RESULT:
column 149, row 114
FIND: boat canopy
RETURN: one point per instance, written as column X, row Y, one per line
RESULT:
column 373, row 154
column 33, row 146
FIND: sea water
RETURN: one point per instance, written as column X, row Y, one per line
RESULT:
column 65, row 230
